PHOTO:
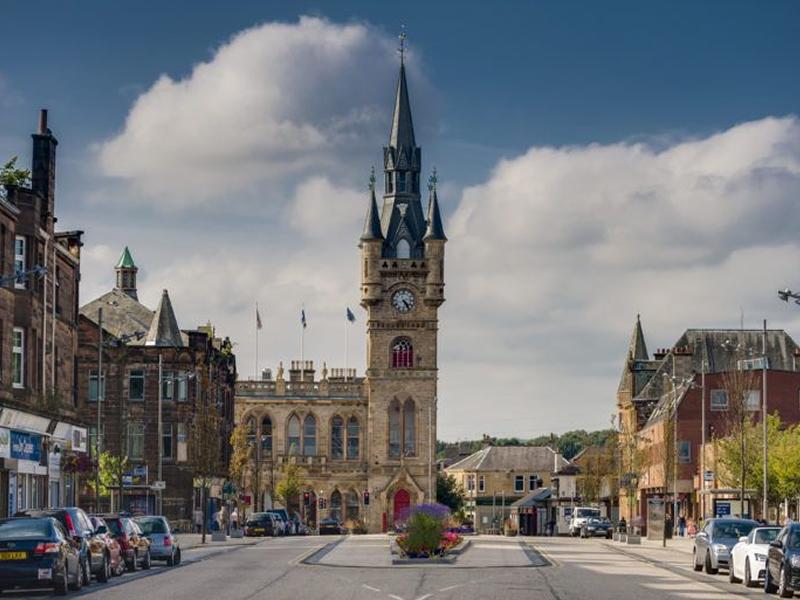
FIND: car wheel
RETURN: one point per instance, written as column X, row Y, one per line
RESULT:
column 78, row 583
column 62, row 585
column 178, row 556
column 784, row 591
column 146, row 561
column 769, row 587
column 731, row 577
column 697, row 567
column 748, row 581
column 105, row 571
column 171, row 559
column 87, row 572
column 134, row 564
column 709, row 569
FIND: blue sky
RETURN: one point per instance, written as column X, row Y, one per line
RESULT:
column 517, row 106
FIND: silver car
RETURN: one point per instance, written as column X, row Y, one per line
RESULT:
column 712, row 545
column 163, row 543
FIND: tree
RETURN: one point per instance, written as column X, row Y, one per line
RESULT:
column 449, row 492
column 112, row 468
column 11, row 175
column 598, row 468
column 241, row 452
column 204, row 445
column 290, row 486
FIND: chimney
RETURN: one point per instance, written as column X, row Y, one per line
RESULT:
column 43, row 170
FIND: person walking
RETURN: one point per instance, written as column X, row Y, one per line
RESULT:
column 681, row 526
column 235, row 518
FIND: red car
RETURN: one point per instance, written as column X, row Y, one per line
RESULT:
column 135, row 547
column 116, row 562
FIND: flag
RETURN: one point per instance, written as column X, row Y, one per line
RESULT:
column 350, row 316
column 258, row 319
column 303, row 317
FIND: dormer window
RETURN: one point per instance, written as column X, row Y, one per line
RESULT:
column 403, row 249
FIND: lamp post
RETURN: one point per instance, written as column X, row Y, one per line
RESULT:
column 97, row 442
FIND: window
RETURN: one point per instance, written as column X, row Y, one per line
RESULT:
column 403, row 249
column 719, row 400
column 337, row 438
column 167, row 385
column 183, row 386
column 18, row 358
column 93, row 385
column 136, row 385
column 684, row 452
column 136, row 440
column 19, row 260
column 352, row 439
column 293, row 437
column 752, row 400
column 166, row 440
column 409, row 433
column 250, row 432
column 352, row 506
column 93, row 438
column 402, row 354
column 470, row 483
column 519, row 483
column 266, row 435
column 309, row 436
column 533, row 482
column 336, row 505
column 415, row 187
column 401, row 181
column 481, row 483
column 394, row 429
column 388, row 179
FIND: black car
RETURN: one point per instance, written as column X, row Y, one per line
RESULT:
column 261, row 523
column 285, row 526
column 77, row 524
column 783, row 563
column 597, row 528
column 330, row 527
column 38, row 552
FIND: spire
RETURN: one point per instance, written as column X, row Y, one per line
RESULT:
column 435, row 230
column 126, row 260
column 637, row 349
column 164, row 329
column 402, row 134
column 372, row 223
column 126, row 274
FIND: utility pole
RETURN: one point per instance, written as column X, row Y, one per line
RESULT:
column 99, row 401
column 160, row 439
column 703, row 439
column 765, row 483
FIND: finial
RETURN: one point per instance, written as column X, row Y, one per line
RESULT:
column 402, row 48
column 372, row 179
column 432, row 180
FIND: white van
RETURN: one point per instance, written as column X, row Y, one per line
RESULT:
column 580, row 515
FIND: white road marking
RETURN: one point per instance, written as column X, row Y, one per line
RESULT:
column 451, row 587
column 425, row 596
column 369, row 587
column 396, row 597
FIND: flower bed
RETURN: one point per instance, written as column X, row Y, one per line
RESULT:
column 425, row 533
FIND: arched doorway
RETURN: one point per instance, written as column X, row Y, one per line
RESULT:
column 402, row 503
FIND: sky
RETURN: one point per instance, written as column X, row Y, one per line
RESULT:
column 596, row 161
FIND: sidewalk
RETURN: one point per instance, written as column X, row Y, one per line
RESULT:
column 678, row 551
column 187, row 541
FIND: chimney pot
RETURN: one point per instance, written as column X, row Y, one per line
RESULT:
column 43, row 121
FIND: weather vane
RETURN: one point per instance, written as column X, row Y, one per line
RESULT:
column 402, row 48
column 432, row 180
column 372, row 179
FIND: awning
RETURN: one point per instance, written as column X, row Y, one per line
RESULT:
column 22, row 421
column 537, row 496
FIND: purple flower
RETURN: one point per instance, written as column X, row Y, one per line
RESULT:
column 435, row 510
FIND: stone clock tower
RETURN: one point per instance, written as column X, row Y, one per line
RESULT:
column 402, row 287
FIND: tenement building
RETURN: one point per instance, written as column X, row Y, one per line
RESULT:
column 40, row 433
column 150, row 368
column 365, row 446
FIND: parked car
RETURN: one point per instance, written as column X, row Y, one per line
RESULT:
column 163, row 543
column 115, row 562
column 597, row 528
column 749, row 556
column 298, row 526
column 580, row 515
column 134, row 545
column 712, row 545
column 94, row 554
column 782, row 572
column 286, row 526
column 330, row 527
column 261, row 523
column 38, row 552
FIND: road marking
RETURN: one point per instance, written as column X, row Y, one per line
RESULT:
column 301, row 557
column 396, row 597
column 369, row 587
column 451, row 587
column 425, row 596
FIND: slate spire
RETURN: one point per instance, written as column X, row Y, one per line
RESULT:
column 126, row 274
column 435, row 229
column 372, row 223
column 402, row 133
column 637, row 349
column 164, row 330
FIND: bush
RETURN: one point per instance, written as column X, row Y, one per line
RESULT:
column 425, row 534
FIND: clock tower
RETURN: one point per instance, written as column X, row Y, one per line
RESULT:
column 402, row 287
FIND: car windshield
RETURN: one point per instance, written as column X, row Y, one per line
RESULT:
column 589, row 512
column 732, row 530
column 154, row 525
column 765, row 536
column 114, row 526
column 793, row 539
column 25, row 529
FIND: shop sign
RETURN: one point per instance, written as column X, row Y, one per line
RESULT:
column 26, row 446
column 138, row 477
column 79, row 439
column 5, row 443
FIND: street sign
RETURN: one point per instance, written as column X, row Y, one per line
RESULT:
column 159, row 485
column 708, row 476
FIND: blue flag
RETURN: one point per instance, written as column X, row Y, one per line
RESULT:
column 303, row 317
column 350, row 316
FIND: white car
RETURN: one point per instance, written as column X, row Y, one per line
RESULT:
column 580, row 515
column 749, row 556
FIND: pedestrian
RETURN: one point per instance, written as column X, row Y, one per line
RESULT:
column 198, row 520
column 235, row 518
column 681, row 526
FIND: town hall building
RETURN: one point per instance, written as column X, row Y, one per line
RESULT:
column 365, row 446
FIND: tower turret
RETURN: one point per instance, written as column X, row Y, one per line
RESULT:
column 371, row 245
column 434, row 247
column 126, row 274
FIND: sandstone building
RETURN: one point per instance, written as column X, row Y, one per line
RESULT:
column 372, row 437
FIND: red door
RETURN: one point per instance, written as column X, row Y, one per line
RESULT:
column 402, row 502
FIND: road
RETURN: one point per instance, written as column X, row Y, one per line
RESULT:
column 585, row 569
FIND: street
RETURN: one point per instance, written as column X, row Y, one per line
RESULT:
column 573, row 568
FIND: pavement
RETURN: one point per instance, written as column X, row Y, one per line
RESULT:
column 274, row 569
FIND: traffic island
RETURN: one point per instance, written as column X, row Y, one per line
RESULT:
column 447, row 557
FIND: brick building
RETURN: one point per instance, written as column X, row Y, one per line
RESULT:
column 668, row 392
column 39, row 420
column 141, row 348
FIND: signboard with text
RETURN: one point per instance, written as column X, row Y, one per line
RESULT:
column 655, row 518
column 26, row 446
column 5, row 443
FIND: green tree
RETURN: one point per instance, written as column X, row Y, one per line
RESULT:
column 204, row 447
column 11, row 175
column 112, row 468
column 449, row 492
column 290, row 486
column 240, row 456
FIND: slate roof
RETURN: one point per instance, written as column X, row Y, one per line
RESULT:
column 372, row 224
column 533, row 498
column 402, row 133
column 435, row 230
column 164, row 330
column 122, row 315
column 511, row 458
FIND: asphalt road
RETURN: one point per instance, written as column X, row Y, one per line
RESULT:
column 585, row 569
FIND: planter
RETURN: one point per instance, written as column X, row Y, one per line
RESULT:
column 622, row 537
column 634, row 539
column 218, row 536
column 236, row 533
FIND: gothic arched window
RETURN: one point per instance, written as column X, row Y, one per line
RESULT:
column 337, row 437
column 395, row 434
column 310, row 436
column 352, row 439
column 401, row 181
column 266, row 435
column 409, row 428
column 402, row 353
column 336, row 505
column 250, row 430
column 351, row 510
column 403, row 249
column 293, row 435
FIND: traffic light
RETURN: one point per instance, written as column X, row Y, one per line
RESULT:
column 321, row 503
column 366, row 497
column 306, row 498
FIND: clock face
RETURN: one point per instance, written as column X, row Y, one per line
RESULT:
column 403, row 300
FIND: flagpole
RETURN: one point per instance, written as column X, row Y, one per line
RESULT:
column 302, row 344
column 257, row 316
column 346, row 346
